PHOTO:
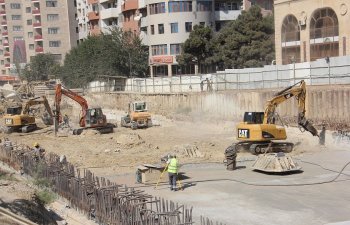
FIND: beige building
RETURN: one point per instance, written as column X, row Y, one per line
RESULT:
column 37, row 26
column 307, row 30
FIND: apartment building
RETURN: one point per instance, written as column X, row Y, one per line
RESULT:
column 30, row 27
column 165, row 25
column 307, row 30
column 101, row 15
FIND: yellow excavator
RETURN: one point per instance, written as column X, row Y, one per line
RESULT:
column 259, row 133
column 19, row 118
column 137, row 117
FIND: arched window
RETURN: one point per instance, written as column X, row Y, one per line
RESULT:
column 290, row 40
column 324, row 34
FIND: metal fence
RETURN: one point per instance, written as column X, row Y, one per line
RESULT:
column 98, row 198
column 321, row 72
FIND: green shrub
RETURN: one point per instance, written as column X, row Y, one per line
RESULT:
column 46, row 196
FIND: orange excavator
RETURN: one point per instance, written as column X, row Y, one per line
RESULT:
column 91, row 118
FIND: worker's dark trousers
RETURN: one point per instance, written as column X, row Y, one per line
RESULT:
column 172, row 180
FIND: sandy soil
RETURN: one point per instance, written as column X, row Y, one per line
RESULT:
column 191, row 139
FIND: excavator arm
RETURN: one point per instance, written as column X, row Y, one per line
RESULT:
column 37, row 101
column 75, row 97
column 298, row 91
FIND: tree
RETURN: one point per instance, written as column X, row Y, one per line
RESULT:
column 246, row 42
column 113, row 54
column 40, row 67
column 198, row 47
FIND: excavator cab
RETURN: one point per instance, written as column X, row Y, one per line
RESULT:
column 14, row 110
column 253, row 117
column 95, row 118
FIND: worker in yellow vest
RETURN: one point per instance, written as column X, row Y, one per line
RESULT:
column 173, row 166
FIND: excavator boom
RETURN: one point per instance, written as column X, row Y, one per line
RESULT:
column 75, row 97
column 298, row 91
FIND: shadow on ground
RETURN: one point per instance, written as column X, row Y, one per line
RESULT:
column 33, row 211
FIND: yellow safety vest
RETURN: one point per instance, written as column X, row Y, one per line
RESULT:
column 172, row 167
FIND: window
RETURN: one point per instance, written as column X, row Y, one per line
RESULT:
column 17, row 28
column 174, row 27
column 152, row 29
column 160, row 28
column 1, row 52
column 204, row 6
column 51, row 3
column 3, row 71
column 19, row 38
column 15, row 5
column 188, row 26
column 31, row 46
column 29, row 22
column 57, row 57
column 202, row 24
column 16, row 17
column 159, row 50
column 220, row 6
column 28, row 10
column 157, row 8
column 232, row 6
column 53, row 30
column 175, row 49
column 54, row 44
column 30, row 34
column 180, row 6
column 52, row 17
column 2, row 62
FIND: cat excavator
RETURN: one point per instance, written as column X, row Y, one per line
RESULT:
column 91, row 118
column 259, row 132
column 19, row 118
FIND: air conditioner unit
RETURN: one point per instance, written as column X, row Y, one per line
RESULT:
column 302, row 22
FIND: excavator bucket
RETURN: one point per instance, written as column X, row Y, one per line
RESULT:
column 275, row 163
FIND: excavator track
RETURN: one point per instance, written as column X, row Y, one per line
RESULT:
column 257, row 148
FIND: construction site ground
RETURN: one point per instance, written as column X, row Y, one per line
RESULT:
column 242, row 196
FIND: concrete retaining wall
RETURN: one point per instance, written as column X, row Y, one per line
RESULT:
column 330, row 103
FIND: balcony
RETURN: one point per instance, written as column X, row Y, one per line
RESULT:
column 7, row 65
column 38, row 37
column 4, row 23
column 36, row 11
column 144, row 22
column 95, row 31
column 109, row 13
column 39, row 49
column 2, row 12
column 227, row 15
column 130, row 5
column 7, row 54
column 142, row 4
column 5, row 33
column 93, row 16
column 6, row 44
column 2, row 2
column 35, row 0
column 37, row 25
column 92, row 1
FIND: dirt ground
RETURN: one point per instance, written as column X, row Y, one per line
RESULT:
column 193, row 139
